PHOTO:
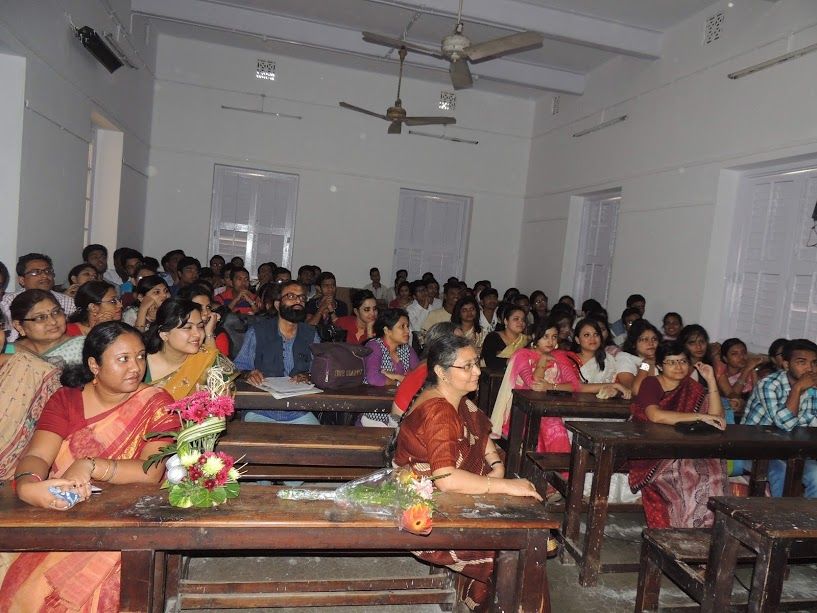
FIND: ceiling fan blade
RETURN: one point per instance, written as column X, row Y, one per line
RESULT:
column 395, row 127
column 428, row 121
column 387, row 41
column 352, row 107
column 504, row 46
column 460, row 74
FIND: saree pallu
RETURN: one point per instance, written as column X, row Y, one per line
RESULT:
column 191, row 374
column 84, row 582
column 26, row 384
column 519, row 375
column 476, row 566
column 675, row 492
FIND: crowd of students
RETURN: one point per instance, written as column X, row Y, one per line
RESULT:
column 126, row 342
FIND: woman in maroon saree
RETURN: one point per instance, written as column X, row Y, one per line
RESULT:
column 445, row 435
column 675, row 492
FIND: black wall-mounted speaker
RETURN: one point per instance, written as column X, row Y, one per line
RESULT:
column 93, row 43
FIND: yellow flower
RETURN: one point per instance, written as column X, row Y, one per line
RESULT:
column 212, row 466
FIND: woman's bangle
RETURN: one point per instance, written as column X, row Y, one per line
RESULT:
column 492, row 464
column 21, row 475
column 113, row 473
column 107, row 470
column 93, row 465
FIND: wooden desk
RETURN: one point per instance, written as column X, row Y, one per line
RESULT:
column 612, row 444
column 771, row 528
column 528, row 407
column 138, row 521
column 363, row 399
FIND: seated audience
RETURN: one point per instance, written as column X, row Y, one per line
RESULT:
column 788, row 399
column 279, row 347
column 672, row 325
column 634, row 301
column 96, row 301
column 131, row 261
column 392, row 356
column 568, row 300
column 420, row 307
column 628, row 316
column 445, row 435
column 466, row 317
column 188, row 270
column 237, row 297
column 539, row 306
column 402, row 296
column 180, row 348
column 202, row 295
column 41, row 327
column 86, row 432
column 433, row 289
column 265, row 272
column 636, row 360
column 696, row 339
column 498, row 347
column 452, row 294
column 306, row 276
column 34, row 271
column 325, row 308
column 380, row 292
column 564, row 316
column 216, row 264
column 4, row 281
column 360, row 326
column 675, row 492
column 97, row 256
column 776, row 354
column 282, row 275
column 596, row 366
column 736, row 372
column 170, row 262
column 150, row 293
column 488, row 302
column 80, row 275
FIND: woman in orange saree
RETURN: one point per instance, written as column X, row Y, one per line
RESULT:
column 86, row 432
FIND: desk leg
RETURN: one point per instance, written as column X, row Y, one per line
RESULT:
column 794, row 477
column 579, row 458
column 596, row 518
column 136, row 587
column 516, row 440
column 767, row 581
column 720, row 569
column 760, row 478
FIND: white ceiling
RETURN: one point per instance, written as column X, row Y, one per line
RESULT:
column 580, row 35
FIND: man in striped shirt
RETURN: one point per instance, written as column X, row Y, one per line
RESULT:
column 788, row 399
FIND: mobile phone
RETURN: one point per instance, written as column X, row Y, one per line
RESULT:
column 696, row 427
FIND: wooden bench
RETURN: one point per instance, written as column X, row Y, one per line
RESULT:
column 681, row 554
column 308, row 453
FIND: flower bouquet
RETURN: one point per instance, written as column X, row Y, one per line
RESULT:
column 196, row 474
column 399, row 493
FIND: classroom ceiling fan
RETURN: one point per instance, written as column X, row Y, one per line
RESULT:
column 397, row 114
column 458, row 49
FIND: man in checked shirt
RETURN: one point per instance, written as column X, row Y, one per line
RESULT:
column 788, row 400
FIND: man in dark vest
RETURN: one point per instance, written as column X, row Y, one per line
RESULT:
column 279, row 347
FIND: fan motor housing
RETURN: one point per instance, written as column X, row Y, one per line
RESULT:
column 454, row 45
column 396, row 113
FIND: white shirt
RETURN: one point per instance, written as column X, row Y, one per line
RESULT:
column 383, row 293
column 417, row 315
column 488, row 326
column 112, row 277
column 66, row 302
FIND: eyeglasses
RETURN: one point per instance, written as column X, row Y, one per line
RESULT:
column 294, row 297
column 41, row 318
column 467, row 367
column 681, row 362
column 112, row 301
column 36, row 272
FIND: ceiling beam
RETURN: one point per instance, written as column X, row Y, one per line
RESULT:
column 553, row 23
column 333, row 38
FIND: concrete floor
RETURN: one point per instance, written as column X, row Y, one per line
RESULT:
column 615, row 593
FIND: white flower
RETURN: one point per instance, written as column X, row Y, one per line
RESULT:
column 233, row 474
column 212, row 466
column 424, row 488
column 190, row 458
column 176, row 474
column 172, row 461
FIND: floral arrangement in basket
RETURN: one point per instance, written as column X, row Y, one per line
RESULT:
column 196, row 475
column 392, row 492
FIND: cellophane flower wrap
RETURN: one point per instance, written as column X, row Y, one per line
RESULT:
column 398, row 493
column 197, row 475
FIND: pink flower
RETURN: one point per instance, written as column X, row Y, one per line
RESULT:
column 210, row 484
column 424, row 488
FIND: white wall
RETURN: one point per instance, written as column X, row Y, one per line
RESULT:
column 687, row 123
column 64, row 84
column 13, row 77
column 351, row 228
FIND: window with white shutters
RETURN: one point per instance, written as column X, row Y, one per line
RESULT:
column 775, row 290
column 253, row 215
column 431, row 234
column 596, row 245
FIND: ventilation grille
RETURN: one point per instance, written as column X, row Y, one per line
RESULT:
column 265, row 69
column 554, row 106
column 448, row 101
column 714, row 28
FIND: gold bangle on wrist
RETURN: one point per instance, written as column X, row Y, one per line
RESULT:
column 107, row 470
column 93, row 465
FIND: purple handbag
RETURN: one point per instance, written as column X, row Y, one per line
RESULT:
column 337, row 365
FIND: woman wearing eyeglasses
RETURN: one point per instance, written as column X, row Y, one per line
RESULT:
column 445, row 435
column 96, row 301
column 41, row 327
column 181, row 348
column 674, row 492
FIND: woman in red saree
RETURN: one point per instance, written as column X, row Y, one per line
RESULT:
column 86, row 432
column 675, row 492
column 445, row 435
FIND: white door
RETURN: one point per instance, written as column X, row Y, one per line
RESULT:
column 253, row 215
column 431, row 236
column 596, row 245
